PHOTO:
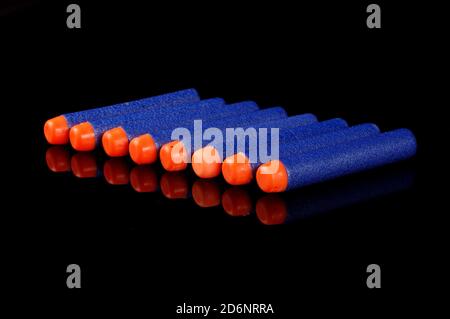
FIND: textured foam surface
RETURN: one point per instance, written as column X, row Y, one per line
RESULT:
column 274, row 113
column 300, row 145
column 165, row 100
column 211, row 116
column 288, row 133
column 231, row 145
column 347, row 158
column 158, row 116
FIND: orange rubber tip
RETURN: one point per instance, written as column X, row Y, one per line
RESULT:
column 206, row 162
column 237, row 170
column 144, row 179
column 56, row 130
column 271, row 210
column 58, row 159
column 236, row 202
column 116, row 171
column 143, row 150
column 174, row 185
column 84, row 165
column 82, row 137
column 115, row 142
column 272, row 177
column 206, row 193
column 173, row 156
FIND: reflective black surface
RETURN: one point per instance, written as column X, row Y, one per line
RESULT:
column 190, row 239
column 236, row 201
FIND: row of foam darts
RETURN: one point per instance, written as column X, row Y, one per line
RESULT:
column 309, row 151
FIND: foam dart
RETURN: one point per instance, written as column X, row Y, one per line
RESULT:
column 144, row 149
column 237, row 169
column 175, row 155
column 274, row 209
column 87, row 135
column 56, row 130
column 335, row 161
column 116, row 141
column 207, row 161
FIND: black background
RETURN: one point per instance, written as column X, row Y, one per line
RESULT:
column 145, row 253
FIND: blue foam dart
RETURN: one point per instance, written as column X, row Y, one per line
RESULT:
column 56, row 130
column 207, row 161
column 238, row 169
column 115, row 141
column 87, row 135
column 335, row 161
column 144, row 148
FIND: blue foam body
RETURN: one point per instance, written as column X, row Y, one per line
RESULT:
column 231, row 145
column 347, row 158
column 293, row 121
column 341, row 135
column 288, row 132
column 158, row 116
column 165, row 136
column 165, row 100
column 215, row 116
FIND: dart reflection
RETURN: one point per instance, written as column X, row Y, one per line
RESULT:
column 273, row 209
column 116, row 171
column 206, row 193
column 58, row 159
column 174, row 185
column 144, row 179
column 236, row 201
column 84, row 165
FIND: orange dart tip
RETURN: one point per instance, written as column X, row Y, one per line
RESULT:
column 82, row 137
column 58, row 159
column 271, row 210
column 116, row 171
column 56, row 130
column 237, row 170
column 272, row 177
column 206, row 193
column 236, row 202
column 143, row 150
column 173, row 156
column 115, row 142
column 84, row 165
column 206, row 162
column 174, row 185
column 144, row 179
